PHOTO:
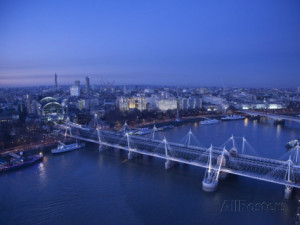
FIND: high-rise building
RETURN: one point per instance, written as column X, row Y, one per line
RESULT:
column 87, row 85
column 77, row 83
column 55, row 80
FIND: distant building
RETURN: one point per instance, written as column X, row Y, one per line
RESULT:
column 275, row 106
column 165, row 94
column 166, row 104
column 87, row 85
column 35, row 107
column 8, row 117
column 55, row 81
column 75, row 91
column 125, row 104
column 209, row 99
column 126, row 91
column 77, row 83
column 213, row 99
column 212, row 108
column 83, row 104
column 190, row 103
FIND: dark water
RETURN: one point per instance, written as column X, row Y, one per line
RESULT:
column 88, row 187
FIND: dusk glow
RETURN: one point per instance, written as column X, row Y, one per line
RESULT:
column 199, row 43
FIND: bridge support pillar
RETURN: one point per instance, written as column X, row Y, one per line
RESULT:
column 131, row 155
column 223, row 175
column 257, row 118
column 211, row 178
column 209, row 185
column 169, row 164
column 288, row 192
column 101, row 148
column 279, row 122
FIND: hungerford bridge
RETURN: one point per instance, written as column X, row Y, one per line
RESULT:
column 275, row 117
column 217, row 161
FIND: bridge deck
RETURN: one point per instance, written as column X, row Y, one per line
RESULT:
column 259, row 168
column 273, row 116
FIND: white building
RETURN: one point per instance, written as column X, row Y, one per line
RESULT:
column 75, row 91
column 166, row 104
column 190, row 103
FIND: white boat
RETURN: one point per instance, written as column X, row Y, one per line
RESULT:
column 232, row 117
column 66, row 148
column 213, row 121
column 292, row 144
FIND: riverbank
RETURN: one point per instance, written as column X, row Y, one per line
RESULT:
column 176, row 123
column 35, row 148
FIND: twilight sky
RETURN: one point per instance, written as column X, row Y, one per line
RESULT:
column 248, row 43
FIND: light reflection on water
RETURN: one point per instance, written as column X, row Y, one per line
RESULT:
column 246, row 122
column 278, row 130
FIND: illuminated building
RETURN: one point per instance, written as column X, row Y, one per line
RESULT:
column 51, row 109
column 125, row 104
column 82, row 104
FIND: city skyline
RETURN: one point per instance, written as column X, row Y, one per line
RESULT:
column 68, row 80
column 249, row 44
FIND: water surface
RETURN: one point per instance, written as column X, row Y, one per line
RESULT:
column 88, row 187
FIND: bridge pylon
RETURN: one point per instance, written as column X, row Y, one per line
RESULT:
column 190, row 133
column 68, row 128
column 297, row 153
column 288, row 189
column 131, row 154
column 169, row 163
column 209, row 182
column 233, row 150
column 67, row 119
column 212, row 175
column 99, row 139
column 96, row 120
column 243, row 145
column 154, row 129
column 124, row 128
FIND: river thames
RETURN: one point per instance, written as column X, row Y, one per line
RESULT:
column 92, row 187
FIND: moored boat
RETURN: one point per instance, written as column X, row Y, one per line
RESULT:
column 20, row 162
column 232, row 117
column 209, row 121
column 66, row 148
